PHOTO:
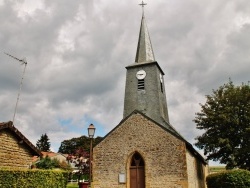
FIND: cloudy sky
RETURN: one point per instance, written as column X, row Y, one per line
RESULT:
column 77, row 52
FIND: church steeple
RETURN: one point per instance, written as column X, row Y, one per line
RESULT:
column 145, row 89
column 144, row 51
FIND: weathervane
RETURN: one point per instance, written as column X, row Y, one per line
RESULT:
column 142, row 5
column 23, row 62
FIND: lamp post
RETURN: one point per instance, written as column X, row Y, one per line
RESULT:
column 91, row 132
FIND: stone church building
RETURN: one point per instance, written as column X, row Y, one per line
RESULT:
column 144, row 150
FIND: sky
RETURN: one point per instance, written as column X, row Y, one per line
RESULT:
column 77, row 51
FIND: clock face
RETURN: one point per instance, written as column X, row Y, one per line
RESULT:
column 140, row 74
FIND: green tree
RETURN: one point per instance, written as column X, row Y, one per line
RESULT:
column 225, row 118
column 73, row 144
column 43, row 143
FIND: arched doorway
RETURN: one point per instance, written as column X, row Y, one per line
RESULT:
column 137, row 171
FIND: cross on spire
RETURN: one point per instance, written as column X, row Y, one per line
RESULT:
column 142, row 5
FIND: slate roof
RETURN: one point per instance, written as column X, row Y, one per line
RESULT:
column 22, row 139
column 144, row 51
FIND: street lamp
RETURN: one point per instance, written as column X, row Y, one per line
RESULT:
column 91, row 132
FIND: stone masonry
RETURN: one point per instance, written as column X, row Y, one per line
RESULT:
column 164, row 155
column 15, row 150
column 196, row 171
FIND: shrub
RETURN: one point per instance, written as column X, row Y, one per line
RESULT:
column 229, row 179
column 48, row 163
column 16, row 178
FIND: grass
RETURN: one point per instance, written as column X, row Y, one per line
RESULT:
column 214, row 169
column 72, row 185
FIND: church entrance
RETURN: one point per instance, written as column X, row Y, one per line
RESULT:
column 137, row 172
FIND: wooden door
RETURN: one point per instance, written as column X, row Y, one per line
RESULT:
column 137, row 172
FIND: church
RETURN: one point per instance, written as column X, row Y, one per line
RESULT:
column 144, row 150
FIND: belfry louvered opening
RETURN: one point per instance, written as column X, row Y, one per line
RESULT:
column 161, row 87
column 141, row 85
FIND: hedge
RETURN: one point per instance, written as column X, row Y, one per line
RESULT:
column 16, row 178
column 229, row 179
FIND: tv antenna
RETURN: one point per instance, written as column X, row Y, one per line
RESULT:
column 23, row 62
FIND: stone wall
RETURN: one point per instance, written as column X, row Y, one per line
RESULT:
column 13, row 153
column 163, row 153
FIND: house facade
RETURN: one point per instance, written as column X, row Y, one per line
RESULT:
column 16, row 151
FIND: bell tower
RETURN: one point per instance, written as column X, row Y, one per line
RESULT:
column 144, row 90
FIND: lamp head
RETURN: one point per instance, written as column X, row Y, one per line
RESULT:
column 91, row 131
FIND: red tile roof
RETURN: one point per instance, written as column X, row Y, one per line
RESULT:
column 49, row 153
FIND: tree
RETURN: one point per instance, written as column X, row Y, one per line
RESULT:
column 80, row 158
column 48, row 163
column 70, row 146
column 225, row 118
column 43, row 143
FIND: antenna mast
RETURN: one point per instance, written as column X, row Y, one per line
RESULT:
column 23, row 62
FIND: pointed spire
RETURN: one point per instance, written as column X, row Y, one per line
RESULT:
column 144, row 49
